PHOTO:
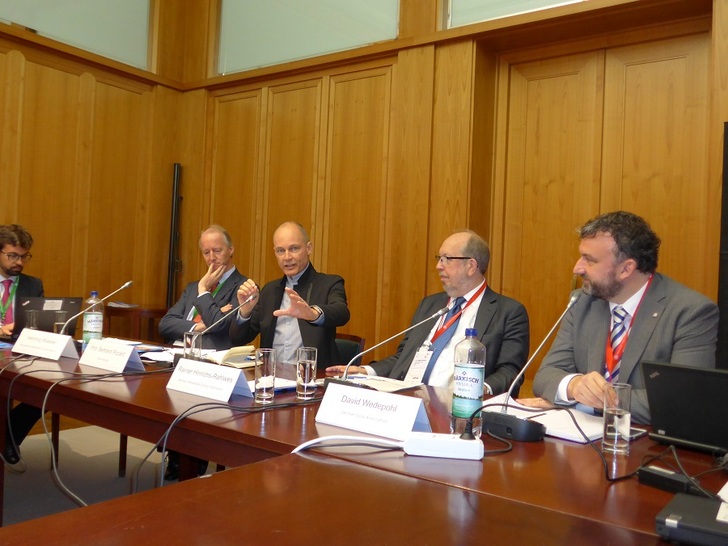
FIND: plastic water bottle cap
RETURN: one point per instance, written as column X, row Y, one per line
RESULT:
column 94, row 294
column 471, row 332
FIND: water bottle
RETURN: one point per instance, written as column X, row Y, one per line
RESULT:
column 469, row 382
column 93, row 319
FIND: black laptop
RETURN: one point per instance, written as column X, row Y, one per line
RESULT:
column 693, row 520
column 46, row 308
column 689, row 406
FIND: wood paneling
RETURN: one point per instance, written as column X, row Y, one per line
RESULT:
column 550, row 163
column 654, row 160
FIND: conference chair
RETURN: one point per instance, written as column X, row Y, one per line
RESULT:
column 349, row 346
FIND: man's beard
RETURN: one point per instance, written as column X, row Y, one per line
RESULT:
column 605, row 290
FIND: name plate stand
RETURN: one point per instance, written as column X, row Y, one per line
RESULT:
column 208, row 380
column 374, row 412
column 111, row 356
column 45, row 345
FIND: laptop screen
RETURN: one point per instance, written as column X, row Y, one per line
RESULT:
column 688, row 405
column 45, row 313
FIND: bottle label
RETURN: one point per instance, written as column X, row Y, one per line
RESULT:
column 93, row 322
column 467, row 393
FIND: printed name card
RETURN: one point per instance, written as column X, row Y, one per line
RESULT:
column 111, row 356
column 45, row 345
column 208, row 380
column 373, row 412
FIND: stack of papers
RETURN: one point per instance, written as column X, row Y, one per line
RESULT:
column 383, row 384
column 558, row 422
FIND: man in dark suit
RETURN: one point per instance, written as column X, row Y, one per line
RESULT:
column 501, row 322
column 303, row 309
column 202, row 304
column 15, row 244
column 656, row 318
column 207, row 300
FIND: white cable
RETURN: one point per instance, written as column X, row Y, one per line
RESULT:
column 352, row 439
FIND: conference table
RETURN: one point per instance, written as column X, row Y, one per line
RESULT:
column 554, row 490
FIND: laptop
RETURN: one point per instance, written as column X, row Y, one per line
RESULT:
column 689, row 406
column 694, row 520
column 46, row 308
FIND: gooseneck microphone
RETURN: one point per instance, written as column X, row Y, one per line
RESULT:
column 439, row 313
column 127, row 284
column 510, row 426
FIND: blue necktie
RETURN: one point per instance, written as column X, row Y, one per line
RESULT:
column 443, row 340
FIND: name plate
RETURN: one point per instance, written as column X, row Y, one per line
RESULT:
column 208, row 380
column 45, row 345
column 111, row 356
column 373, row 412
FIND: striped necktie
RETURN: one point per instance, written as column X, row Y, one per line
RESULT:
column 619, row 330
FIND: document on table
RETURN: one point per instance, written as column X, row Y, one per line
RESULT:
column 558, row 422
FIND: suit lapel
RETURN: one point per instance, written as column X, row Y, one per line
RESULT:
column 645, row 322
column 596, row 329
column 486, row 312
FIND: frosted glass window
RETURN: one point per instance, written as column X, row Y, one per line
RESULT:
column 117, row 29
column 257, row 33
column 466, row 12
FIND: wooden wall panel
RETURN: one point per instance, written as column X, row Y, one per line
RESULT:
column 551, row 185
column 654, row 161
column 451, row 145
column 404, row 265
column 235, row 180
column 291, row 167
column 356, row 177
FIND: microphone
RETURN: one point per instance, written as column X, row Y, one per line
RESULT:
column 510, row 426
column 127, row 284
column 439, row 313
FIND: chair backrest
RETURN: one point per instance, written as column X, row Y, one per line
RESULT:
column 349, row 346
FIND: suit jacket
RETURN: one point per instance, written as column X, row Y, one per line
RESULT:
column 502, row 325
column 29, row 286
column 174, row 324
column 326, row 291
column 672, row 324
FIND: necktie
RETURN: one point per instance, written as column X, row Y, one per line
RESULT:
column 8, row 317
column 618, row 334
column 444, row 338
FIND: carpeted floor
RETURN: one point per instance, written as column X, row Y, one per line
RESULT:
column 88, row 466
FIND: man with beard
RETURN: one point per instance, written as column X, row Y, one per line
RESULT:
column 627, row 313
column 15, row 243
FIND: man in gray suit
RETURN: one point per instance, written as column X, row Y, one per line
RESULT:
column 661, row 320
column 502, row 323
column 205, row 301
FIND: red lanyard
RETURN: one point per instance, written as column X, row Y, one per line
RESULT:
column 441, row 330
column 615, row 355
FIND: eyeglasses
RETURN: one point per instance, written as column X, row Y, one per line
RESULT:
column 445, row 260
column 13, row 257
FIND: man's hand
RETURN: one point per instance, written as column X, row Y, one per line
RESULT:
column 539, row 403
column 247, row 289
column 210, row 279
column 339, row 370
column 7, row 329
column 298, row 308
column 589, row 389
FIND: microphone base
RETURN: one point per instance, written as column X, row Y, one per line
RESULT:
column 511, row 427
column 345, row 382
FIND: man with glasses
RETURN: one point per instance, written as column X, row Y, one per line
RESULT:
column 16, row 241
column 302, row 309
column 15, row 254
column 207, row 300
column 427, row 352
